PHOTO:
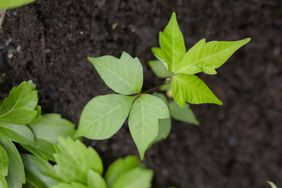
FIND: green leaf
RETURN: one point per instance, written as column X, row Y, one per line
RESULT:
column 19, row 106
column 39, row 172
column 103, row 116
column 159, row 69
column 272, row 185
column 41, row 148
column 164, row 129
column 38, row 115
column 144, row 118
column 119, row 167
column 51, row 126
column 95, row 180
column 206, row 57
column 4, row 162
column 3, row 182
column 124, row 75
column 184, row 114
column 172, row 45
column 69, row 185
column 16, row 175
column 17, row 133
column 134, row 179
column 9, row 4
column 191, row 89
column 74, row 160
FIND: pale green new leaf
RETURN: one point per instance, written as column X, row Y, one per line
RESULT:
column 17, row 133
column 144, row 118
column 74, row 160
column 70, row 185
column 191, row 89
column 208, row 56
column 124, row 75
column 103, row 116
column 16, row 175
column 136, row 178
column 51, row 126
column 4, row 161
column 39, row 173
column 19, row 106
column 9, row 4
column 184, row 114
column 272, row 185
column 172, row 45
column 159, row 69
column 95, row 180
column 119, row 167
column 41, row 148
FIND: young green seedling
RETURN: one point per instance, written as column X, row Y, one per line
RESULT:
column 77, row 166
column 21, row 122
column 149, row 115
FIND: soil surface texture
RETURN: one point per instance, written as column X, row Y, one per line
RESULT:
column 237, row 145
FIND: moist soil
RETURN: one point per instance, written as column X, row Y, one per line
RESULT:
column 237, row 145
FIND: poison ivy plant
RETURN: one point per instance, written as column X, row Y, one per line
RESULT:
column 149, row 116
column 21, row 122
column 78, row 166
column 10, row 4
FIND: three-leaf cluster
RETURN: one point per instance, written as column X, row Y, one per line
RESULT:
column 149, row 115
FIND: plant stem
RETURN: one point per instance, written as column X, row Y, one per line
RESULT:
column 153, row 89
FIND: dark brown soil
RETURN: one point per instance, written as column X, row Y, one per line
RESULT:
column 238, row 145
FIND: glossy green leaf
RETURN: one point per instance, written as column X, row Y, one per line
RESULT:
column 119, row 167
column 74, row 160
column 70, row 185
column 124, row 75
column 16, row 175
column 172, row 45
column 39, row 173
column 191, row 89
column 4, row 161
column 184, row 114
column 17, row 133
column 38, row 115
column 136, row 178
column 208, row 56
column 103, row 116
column 51, row 126
column 41, row 148
column 19, row 106
column 144, row 118
column 9, row 4
column 95, row 180
column 159, row 69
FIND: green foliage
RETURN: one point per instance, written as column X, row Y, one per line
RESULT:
column 104, row 115
column 19, row 106
column 149, row 117
column 271, row 184
column 143, row 121
column 124, row 75
column 10, row 4
column 202, row 57
column 80, row 167
column 21, row 122
column 74, row 160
